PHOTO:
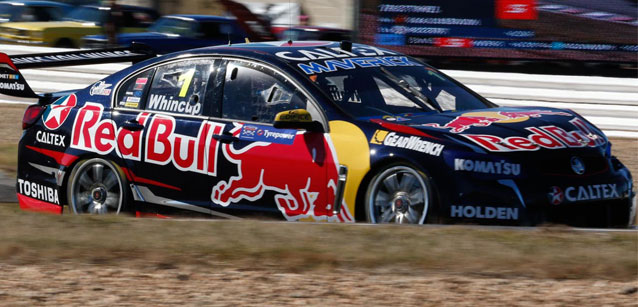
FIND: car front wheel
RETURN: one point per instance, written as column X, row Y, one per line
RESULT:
column 96, row 186
column 398, row 194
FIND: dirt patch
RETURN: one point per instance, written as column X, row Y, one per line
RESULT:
column 219, row 285
column 11, row 123
column 627, row 151
column 28, row 238
column 106, row 261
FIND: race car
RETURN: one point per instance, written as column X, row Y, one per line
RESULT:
column 306, row 131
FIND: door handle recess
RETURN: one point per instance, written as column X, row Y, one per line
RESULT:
column 132, row 125
column 225, row 138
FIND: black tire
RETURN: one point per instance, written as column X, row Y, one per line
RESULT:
column 97, row 186
column 399, row 193
column 64, row 43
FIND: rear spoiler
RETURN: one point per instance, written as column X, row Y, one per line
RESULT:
column 12, row 82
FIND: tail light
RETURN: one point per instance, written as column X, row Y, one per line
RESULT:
column 31, row 115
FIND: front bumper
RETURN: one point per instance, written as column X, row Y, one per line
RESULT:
column 603, row 200
column 21, row 41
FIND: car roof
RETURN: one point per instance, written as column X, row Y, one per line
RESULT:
column 121, row 6
column 199, row 17
column 35, row 2
column 317, row 28
column 267, row 51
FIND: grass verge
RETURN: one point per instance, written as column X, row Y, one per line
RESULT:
column 28, row 238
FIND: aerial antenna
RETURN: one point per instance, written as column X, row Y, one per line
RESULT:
column 289, row 22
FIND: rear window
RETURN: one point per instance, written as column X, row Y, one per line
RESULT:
column 132, row 91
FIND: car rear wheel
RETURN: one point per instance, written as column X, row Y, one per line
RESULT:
column 96, row 186
column 64, row 43
column 398, row 194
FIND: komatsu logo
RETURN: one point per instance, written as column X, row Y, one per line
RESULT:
column 15, row 86
column 487, row 167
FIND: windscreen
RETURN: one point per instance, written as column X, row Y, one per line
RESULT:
column 87, row 14
column 377, row 92
column 172, row 26
column 9, row 12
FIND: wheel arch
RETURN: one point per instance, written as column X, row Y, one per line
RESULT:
column 378, row 166
column 117, row 162
column 65, row 42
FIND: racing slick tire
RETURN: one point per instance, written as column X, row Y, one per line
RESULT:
column 97, row 186
column 399, row 193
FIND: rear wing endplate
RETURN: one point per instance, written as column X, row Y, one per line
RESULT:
column 12, row 82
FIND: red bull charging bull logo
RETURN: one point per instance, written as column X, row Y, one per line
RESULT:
column 301, row 187
column 484, row 119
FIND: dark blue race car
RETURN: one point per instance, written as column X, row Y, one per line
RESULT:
column 179, row 32
column 307, row 131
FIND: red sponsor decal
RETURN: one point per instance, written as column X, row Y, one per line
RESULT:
column 5, row 59
column 453, row 42
column 163, row 145
column 32, row 204
column 139, row 84
column 516, row 9
column 132, row 177
column 549, row 137
column 484, row 119
column 59, row 157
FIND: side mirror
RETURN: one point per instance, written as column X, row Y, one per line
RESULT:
column 297, row 119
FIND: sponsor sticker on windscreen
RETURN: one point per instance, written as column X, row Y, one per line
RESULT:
column 259, row 133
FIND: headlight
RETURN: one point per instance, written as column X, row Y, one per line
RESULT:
column 8, row 31
column 36, row 34
column 608, row 149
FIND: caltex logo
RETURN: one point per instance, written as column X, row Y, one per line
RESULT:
column 556, row 196
column 57, row 112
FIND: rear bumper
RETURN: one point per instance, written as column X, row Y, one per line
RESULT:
column 32, row 204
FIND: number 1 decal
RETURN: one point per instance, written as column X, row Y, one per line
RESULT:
column 187, row 77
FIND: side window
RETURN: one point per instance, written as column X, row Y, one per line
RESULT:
column 212, row 30
column 55, row 13
column 180, row 87
column 138, row 19
column 256, row 93
column 131, row 92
